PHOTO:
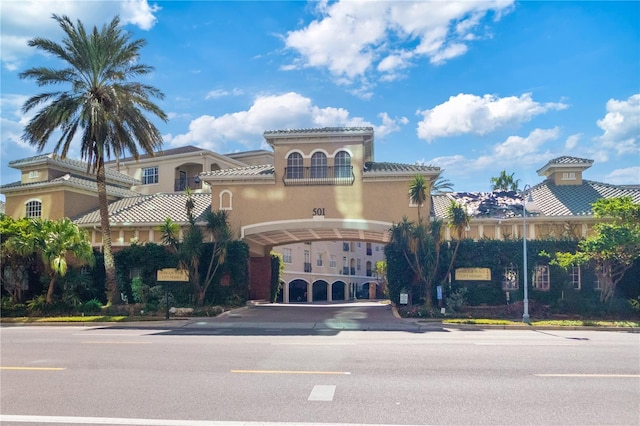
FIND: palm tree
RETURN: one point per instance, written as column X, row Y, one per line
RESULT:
column 441, row 185
column 504, row 182
column 418, row 190
column 101, row 100
column 459, row 220
column 54, row 241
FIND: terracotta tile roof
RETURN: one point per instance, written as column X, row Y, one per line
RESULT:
column 265, row 170
column 383, row 167
column 71, row 164
column 163, row 153
column 71, row 181
column 146, row 209
column 551, row 200
column 319, row 130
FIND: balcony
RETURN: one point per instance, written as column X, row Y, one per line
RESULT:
column 184, row 183
column 305, row 176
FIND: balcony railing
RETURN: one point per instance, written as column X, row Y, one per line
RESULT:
column 340, row 176
column 307, row 267
column 182, row 184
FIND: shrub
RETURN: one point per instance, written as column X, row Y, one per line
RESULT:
column 93, row 306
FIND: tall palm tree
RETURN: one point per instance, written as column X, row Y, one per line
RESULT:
column 100, row 99
column 441, row 185
column 505, row 182
column 459, row 220
column 418, row 190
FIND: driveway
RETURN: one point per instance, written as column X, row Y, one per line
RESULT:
column 305, row 319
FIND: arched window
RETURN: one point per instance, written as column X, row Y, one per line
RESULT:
column 294, row 166
column 33, row 209
column 343, row 164
column 225, row 200
column 318, row 165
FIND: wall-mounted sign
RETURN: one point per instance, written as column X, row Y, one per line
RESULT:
column 172, row 274
column 473, row 274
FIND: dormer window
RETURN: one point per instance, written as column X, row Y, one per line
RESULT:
column 34, row 174
column 568, row 175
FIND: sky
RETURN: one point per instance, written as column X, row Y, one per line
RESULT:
column 472, row 87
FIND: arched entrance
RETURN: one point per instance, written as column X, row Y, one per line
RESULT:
column 337, row 290
column 320, row 288
column 298, row 291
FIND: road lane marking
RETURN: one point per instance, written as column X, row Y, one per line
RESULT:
column 322, row 393
column 312, row 344
column 523, row 344
column 290, row 372
column 34, row 368
column 632, row 376
column 112, row 342
column 69, row 420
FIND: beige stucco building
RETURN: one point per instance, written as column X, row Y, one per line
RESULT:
column 319, row 198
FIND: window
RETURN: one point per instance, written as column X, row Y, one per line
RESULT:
column 332, row 262
column 541, row 277
column 369, row 249
column 34, row 174
column 33, row 209
column 568, row 176
column 150, row 175
column 294, row 166
column 358, row 265
column 343, row 164
column 345, row 246
column 345, row 268
column 307, row 261
column 575, row 277
column 225, row 200
column 369, row 270
column 286, row 255
column 318, row 165
column 319, row 260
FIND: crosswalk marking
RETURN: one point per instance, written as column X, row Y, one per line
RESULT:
column 322, row 393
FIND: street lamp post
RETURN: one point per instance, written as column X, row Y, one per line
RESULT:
column 527, row 204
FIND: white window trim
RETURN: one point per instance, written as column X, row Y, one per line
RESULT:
column 221, row 196
column 26, row 211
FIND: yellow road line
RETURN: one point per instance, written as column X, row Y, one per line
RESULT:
column 634, row 376
column 290, row 372
column 34, row 368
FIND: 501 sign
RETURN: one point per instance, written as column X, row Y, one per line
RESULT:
column 318, row 211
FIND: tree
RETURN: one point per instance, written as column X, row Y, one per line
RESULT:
column 418, row 190
column 14, row 276
column 54, row 241
column 459, row 220
column 504, row 182
column 614, row 245
column 420, row 246
column 192, row 247
column 101, row 100
column 441, row 186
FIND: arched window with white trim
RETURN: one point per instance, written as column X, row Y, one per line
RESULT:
column 294, row 166
column 319, row 165
column 226, row 200
column 342, row 163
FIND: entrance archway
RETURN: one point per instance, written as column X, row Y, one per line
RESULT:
column 320, row 288
column 298, row 291
column 337, row 290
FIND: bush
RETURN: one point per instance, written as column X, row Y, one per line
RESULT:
column 93, row 306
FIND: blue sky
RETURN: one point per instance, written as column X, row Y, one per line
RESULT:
column 473, row 87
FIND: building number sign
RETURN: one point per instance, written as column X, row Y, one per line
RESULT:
column 318, row 211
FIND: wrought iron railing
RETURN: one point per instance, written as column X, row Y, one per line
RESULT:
column 298, row 175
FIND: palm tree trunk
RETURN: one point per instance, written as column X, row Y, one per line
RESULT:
column 113, row 293
column 52, row 285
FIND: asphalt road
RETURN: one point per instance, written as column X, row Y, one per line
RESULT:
column 314, row 365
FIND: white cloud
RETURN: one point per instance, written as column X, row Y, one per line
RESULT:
column 629, row 175
column 352, row 38
column 572, row 142
column 524, row 153
column 471, row 114
column 621, row 125
column 26, row 19
column 271, row 112
column 221, row 93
